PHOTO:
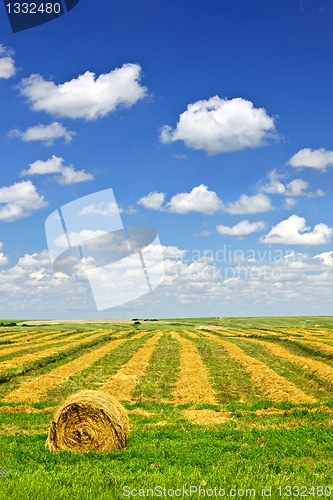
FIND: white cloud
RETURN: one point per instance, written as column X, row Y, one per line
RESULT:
column 293, row 231
column 86, row 96
column 153, row 200
column 19, row 200
column 7, row 63
column 107, row 209
column 289, row 203
column 250, row 204
column 44, row 133
column 275, row 186
column 219, row 125
column 312, row 158
column 243, row 228
column 3, row 257
column 204, row 201
column 326, row 258
column 55, row 165
column 296, row 285
column 35, row 259
column 294, row 188
column 200, row 200
column 71, row 176
column 76, row 238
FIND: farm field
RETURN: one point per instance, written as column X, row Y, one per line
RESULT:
column 236, row 404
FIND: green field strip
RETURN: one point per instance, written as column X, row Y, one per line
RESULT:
column 38, row 388
column 271, row 385
column 307, row 381
column 93, row 377
column 312, row 348
column 229, row 379
column 123, row 383
column 159, row 382
column 35, row 356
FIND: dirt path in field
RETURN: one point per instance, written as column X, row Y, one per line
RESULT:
column 123, row 383
column 274, row 386
column 318, row 367
column 46, row 341
column 193, row 386
column 36, row 389
column 21, row 360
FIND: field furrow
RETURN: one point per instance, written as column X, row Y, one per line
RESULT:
column 271, row 384
column 123, row 383
column 193, row 386
column 37, row 389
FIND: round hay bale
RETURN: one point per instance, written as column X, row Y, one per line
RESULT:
column 89, row 421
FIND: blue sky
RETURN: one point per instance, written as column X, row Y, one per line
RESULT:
column 211, row 121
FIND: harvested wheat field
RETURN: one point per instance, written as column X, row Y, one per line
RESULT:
column 192, row 392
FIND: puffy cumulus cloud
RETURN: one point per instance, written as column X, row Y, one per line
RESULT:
column 153, row 200
column 7, row 63
column 200, row 200
column 55, row 165
column 87, row 96
column 312, row 158
column 294, row 188
column 256, row 203
column 243, row 228
column 219, row 125
column 71, row 176
column 35, row 260
column 19, row 200
column 44, row 133
column 326, row 258
column 293, row 231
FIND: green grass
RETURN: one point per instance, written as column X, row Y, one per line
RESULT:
column 251, row 450
column 224, row 459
